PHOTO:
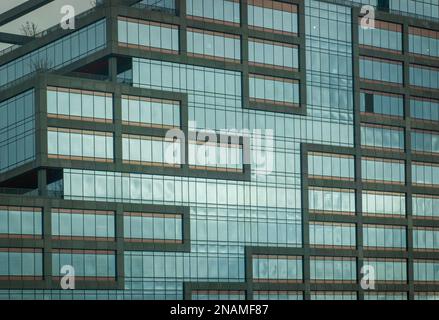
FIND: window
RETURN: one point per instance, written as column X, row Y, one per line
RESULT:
column 213, row 45
column 96, row 265
column 382, row 137
column 20, row 222
column 385, row 295
column 332, row 235
column 330, row 166
column 423, row 76
column 218, row 11
column 148, row 35
column 384, row 237
column 272, row 54
column 387, row 270
column 151, row 151
column 383, row 170
column 333, row 270
column 426, row 295
column 21, row 264
column 93, row 225
column 218, row 295
column 424, row 109
column 424, row 42
column 277, row 295
column 425, row 206
column 198, row 82
column 153, row 227
column 383, row 204
column 426, row 142
column 331, row 201
column 80, row 145
column 277, row 269
column 277, row 91
column 150, row 112
column 216, row 156
column 426, row 174
column 426, row 271
column 333, row 295
column 385, row 36
column 273, row 16
column 382, row 103
column 425, row 239
column 426, row 8
column 79, row 104
column 17, row 130
column 381, row 70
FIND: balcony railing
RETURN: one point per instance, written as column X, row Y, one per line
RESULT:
column 19, row 192
column 53, row 28
column 150, row 7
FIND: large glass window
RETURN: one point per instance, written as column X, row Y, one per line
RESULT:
column 382, row 137
column 21, row 264
column 385, row 204
column 93, row 225
column 213, row 45
column 273, row 16
column 426, row 8
column 96, row 265
column 278, row 269
column 153, row 227
column 149, row 35
column 383, row 170
column 381, row 70
column 216, row 156
column 280, row 91
column 333, row 295
column 20, row 222
column 425, row 206
column 384, row 237
column 332, row 235
column 388, row 270
column 426, row 174
column 17, row 130
column 150, row 112
column 426, row 239
column 331, row 200
column 426, row 271
column 380, row 295
column 423, row 76
column 149, row 150
column 330, row 166
column 333, row 269
column 382, row 103
column 219, row 11
column 273, row 54
column 217, row 295
column 385, row 35
column 425, row 141
column 277, row 295
column 424, row 109
column 79, row 104
column 424, row 42
column 80, row 145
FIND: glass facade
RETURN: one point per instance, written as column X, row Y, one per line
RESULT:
column 17, row 130
column 64, row 51
column 329, row 163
